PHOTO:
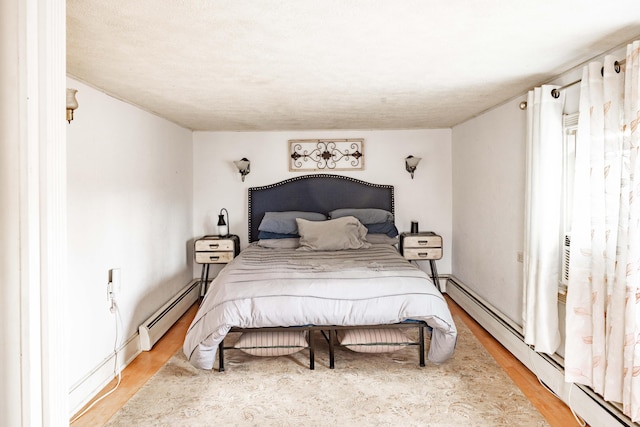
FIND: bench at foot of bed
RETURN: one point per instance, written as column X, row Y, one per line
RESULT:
column 271, row 342
column 288, row 340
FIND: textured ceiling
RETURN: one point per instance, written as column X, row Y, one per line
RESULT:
column 333, row 64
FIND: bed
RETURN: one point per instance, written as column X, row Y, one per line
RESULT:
column 342, row 278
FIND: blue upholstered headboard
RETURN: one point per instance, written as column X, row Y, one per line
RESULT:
column 315, row 193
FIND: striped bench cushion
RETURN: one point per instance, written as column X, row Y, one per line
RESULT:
column 271, row 343
column 373, row 340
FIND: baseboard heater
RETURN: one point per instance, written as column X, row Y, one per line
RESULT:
column 160, row 322
column 550, row 370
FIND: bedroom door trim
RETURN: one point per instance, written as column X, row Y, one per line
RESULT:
column 35, row 108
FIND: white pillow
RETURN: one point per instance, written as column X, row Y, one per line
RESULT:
column 271, row 343
column 381, row 340
column 332, row 235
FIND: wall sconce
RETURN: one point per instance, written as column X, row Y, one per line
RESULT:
column 244, row 167
column 411, row 163
column 72, row 103
column 223, row 227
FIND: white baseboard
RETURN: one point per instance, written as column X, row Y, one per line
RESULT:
column 91, row 384
column 591, row 407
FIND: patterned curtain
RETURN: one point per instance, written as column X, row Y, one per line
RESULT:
column 542, row 223
column 603, row 299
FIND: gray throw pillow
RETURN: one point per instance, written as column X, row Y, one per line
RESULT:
column 333, row 235
column 285, row 222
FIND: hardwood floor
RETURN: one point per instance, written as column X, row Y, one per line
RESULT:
column 137, row 373
column 147, row 363
column 553, row 409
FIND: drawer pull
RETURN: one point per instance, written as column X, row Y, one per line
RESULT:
column 423, row 242
column 214, row 258
column 213, row 246
column 423, row 254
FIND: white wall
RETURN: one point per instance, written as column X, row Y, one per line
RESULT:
column 488, row 202
column 488, row 205
column 426, row 199
column 129, row 207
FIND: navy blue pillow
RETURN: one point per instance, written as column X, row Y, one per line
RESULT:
column 365, row 216
column 269, row 235
column 388, row 228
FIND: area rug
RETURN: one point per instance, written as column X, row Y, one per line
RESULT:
column 364, row 389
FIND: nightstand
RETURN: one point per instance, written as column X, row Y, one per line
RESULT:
column 214, row 250
column 423, row 246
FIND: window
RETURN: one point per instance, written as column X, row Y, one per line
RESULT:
column 570, row 128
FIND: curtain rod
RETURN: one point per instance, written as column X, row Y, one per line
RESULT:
column 616, row 66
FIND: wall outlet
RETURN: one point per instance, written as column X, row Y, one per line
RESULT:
column 113, row 288
column 520, row 256
column 114, row 281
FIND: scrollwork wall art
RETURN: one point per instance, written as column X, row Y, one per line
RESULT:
column 326, row 154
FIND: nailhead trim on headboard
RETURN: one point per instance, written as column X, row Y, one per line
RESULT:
column 314, row 176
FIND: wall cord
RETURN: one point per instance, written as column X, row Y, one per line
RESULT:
column 118, row 373
column 581, row 422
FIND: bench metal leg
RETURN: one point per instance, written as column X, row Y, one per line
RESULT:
column 221, row 356
column 332, row 336
column 312, row 360
column 421, row 346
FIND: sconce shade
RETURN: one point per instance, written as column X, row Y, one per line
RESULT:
column 244, row 167
column 223, row 227
column 72, row 103
column 411, row 163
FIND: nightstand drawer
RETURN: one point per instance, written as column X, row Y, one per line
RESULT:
column 422, row 253
column 214, row 245
column 220, row 257
column 418, row 241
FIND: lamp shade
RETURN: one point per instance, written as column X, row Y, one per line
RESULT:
column 244, row 167
column 72, row 102
column 412, row 162
column 223, row 226
column 242, row 164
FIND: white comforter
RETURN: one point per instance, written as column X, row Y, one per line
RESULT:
column 286, row 287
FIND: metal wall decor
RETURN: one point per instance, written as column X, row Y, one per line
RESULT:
column 326, row 154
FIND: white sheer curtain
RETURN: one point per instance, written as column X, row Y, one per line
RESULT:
column 543, row 219
column 603, row 299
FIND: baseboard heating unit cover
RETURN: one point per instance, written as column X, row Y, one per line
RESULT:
column 159, row 323
column 549, row 369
